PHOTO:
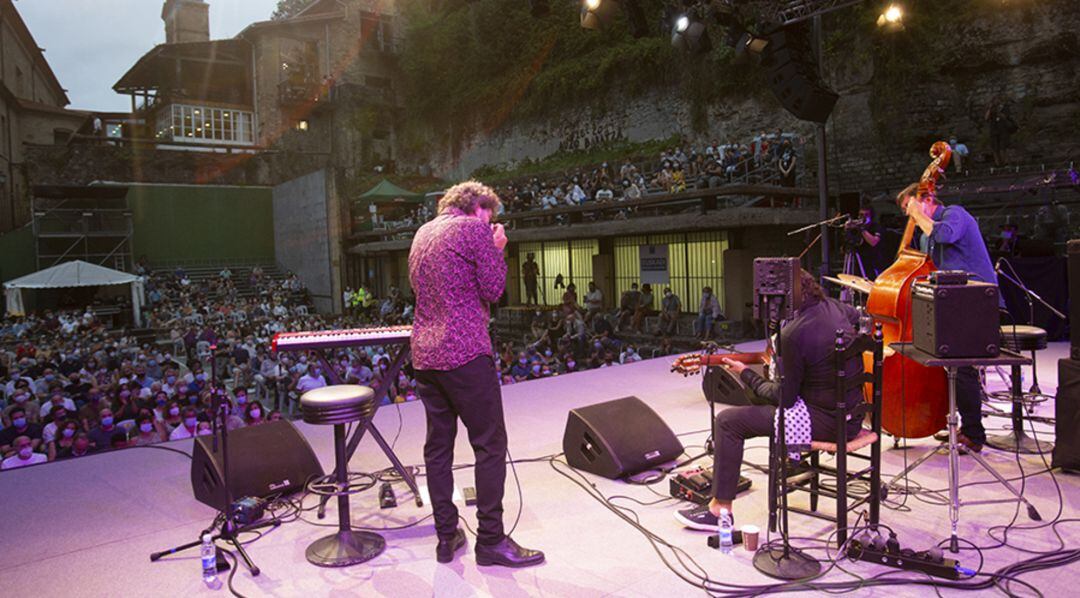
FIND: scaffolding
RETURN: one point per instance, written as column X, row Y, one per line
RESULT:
column 93, row 224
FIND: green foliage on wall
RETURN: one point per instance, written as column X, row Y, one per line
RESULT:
column 17, row 256
column 613, row 153
column 469, row 67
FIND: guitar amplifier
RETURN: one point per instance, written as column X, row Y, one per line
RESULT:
column 1073, row 252
column 956, row 320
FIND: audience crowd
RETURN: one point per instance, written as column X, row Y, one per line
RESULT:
column 71, row 386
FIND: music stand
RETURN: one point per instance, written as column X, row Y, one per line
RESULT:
column 951, row 365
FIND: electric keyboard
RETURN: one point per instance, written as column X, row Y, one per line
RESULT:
column 332, row 339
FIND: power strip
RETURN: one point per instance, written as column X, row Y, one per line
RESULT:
column 931, row 562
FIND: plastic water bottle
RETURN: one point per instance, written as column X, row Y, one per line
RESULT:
column 209, row 560
column 724, row 531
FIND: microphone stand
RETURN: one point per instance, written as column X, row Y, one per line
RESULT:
column 783, row 562
column 230, row 532
column 1018, row 441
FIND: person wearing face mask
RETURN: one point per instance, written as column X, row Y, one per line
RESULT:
column 571, row 364
column 56, row 418
column 65, row 440
column 254, row 414
column 147, row 431
column 670, row 308
column 80, row 447
column 708, row 313
column 22, row 399
column 20, row 426
column 188, row 427
column 312, row 379
column 457, row 271
column 172, row 417
column 101, row 435
column 520, row 369
column 24, row 455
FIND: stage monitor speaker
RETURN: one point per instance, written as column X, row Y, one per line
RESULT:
column 618, row 438
column 1074, row 296
column 1067, row 416
column 267, row 459
column 792, row 74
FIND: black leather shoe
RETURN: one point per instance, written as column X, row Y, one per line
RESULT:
column 508, row 554
column 444, row 551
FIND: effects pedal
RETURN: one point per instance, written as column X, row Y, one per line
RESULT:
column 695, row 485
column 470, row 496
column 248, row 510
column 387, row 499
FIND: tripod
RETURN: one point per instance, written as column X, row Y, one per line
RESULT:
column 230, row 532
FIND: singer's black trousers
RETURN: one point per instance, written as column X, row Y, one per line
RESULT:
column 472, row 393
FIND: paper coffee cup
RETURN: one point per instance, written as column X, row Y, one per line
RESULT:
column 750, row 537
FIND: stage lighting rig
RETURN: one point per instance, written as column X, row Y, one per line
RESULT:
column 598, row 14
column 689, row 33
column 892, row 18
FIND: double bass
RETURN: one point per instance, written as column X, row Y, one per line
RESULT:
column 915, row 398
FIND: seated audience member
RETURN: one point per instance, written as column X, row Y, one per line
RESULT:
column 20, row 427
column 708, row 313
column 23, row 454
column 644, row 307
column 670, row 308
column 101, row 434
column 65, row 439
column 188, row 428
column 147, row 431
column 628, row 305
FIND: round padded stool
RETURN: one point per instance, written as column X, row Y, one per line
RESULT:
column 1026, row 338
column 1023, row 338
column 339, row 405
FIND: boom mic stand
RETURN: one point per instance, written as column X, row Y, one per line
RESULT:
column 1017, row 440
column 783, row 562
column 230, row 532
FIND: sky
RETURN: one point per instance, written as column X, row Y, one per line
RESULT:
column 90, row 44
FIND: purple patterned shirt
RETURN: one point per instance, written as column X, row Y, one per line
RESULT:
column 455, row 271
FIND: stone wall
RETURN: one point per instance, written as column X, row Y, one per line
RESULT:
column 1028, row 53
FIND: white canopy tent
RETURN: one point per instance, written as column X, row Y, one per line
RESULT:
column 75, row 273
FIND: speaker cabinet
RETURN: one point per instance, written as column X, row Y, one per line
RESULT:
column 270, row 458
column 1067, row 416
column 618, row 438
column 792, row 74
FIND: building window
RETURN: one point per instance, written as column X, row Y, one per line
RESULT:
column 204, row 125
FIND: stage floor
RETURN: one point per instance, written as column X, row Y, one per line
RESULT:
column 86, row 527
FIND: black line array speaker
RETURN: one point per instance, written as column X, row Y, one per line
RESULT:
column 1067, row 416
column 792, row 74
column 618, row 438
column 1074, row 296
column 271, row 458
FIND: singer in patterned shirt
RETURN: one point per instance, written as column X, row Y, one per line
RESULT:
column 457, row 271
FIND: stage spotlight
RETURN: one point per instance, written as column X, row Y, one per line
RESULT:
column 597, row 14
column 689, row 35
column 892, row 19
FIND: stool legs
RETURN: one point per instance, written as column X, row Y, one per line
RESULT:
column 346, row 546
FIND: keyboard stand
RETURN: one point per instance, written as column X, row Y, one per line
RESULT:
column 381, row 390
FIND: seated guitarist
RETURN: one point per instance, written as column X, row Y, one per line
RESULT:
column 807, row 346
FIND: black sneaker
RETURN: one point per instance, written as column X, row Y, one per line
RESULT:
column 699, row 518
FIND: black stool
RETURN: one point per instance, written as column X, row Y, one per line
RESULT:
column 1021, row 338
column 339, row 405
